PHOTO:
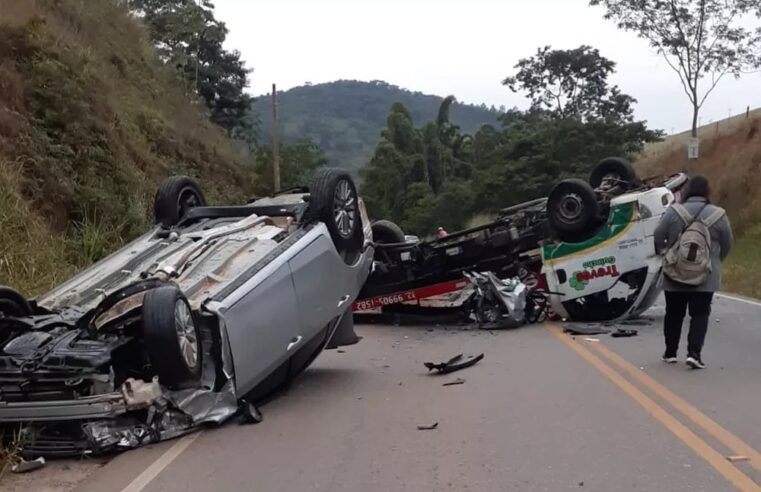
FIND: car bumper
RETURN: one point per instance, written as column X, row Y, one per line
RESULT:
column 90, row 407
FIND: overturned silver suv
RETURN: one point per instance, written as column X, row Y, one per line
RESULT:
column 211, row 311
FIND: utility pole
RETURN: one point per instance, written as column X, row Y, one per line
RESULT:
column 275, row 149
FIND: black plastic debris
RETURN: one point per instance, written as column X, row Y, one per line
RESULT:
column 428, row 427
column 456, row 381
column 251, row 414
column 622, row 333
column 585, row 330
column 453, row 364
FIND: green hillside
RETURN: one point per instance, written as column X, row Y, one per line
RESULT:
column 345, row 117
column 90, row 122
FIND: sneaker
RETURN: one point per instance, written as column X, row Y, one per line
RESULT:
column 669, row 360
column 695, row 362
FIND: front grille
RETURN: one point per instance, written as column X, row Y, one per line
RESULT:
column 20, row 389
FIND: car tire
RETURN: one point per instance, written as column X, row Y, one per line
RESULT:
column 488, row 312
column 12, row 303
column 619, row 170
column 171, row 337
column 386, row 232
column 175, row 196
column 572, row 210
column 334, row 200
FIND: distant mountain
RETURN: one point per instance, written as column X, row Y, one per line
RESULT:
column 345, row 117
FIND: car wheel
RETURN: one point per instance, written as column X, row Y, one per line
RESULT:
column 12, row 303
column 171, row 337
column 572, row 209
column 613, row 175
column 175, row 197
column 334, row 201
column 488, row 312
column 386, row 232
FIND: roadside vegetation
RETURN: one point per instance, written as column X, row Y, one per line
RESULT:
column 730, row 157
column 96, row 109
column 436, row 175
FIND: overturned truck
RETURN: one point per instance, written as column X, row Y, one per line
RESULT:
column 586, row 252
column 209, row 312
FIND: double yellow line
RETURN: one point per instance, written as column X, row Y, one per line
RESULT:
column 597, row 358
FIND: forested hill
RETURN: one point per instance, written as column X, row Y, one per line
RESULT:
column 345, row 117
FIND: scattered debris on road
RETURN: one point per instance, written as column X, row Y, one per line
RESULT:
column 428, row 427
column 452, row 364
column 24, row 466
column 588, row 339
column 456, row 381
column 585, row 330
column 622, row 333
column 738, row 459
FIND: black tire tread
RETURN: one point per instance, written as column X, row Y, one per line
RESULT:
column 321, row 194
column 572, row 233
column 165, row 202
column 160, row 339
column 614, row 164
column 388, row 230
column 13, row 303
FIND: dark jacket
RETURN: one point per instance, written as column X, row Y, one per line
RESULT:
column 671, row 226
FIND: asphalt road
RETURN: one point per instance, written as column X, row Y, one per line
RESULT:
column 542, row 412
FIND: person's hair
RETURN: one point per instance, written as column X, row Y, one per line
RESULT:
column 698, row 186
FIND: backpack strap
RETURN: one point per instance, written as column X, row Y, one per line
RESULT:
column 714, row 217
column 682, row 213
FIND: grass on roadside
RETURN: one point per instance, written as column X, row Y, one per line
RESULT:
column 742, row 270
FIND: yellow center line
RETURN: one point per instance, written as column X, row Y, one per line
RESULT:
column 711, row 456
column 731, row 441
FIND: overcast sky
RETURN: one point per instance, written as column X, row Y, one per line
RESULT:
column 465, row 48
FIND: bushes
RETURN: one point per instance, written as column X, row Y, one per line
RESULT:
column 90, row 122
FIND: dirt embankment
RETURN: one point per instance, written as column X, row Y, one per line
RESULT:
column 90, row 122
column 730, row 157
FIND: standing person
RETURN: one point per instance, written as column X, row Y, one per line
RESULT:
column 696, row 237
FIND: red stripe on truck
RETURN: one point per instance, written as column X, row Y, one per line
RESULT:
column 409, row 295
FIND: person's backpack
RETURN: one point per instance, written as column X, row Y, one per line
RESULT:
column 688, row 260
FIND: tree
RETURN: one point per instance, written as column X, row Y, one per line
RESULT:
column 571, row 84
column 298, row 162
column 699, row 39
column 190, row 39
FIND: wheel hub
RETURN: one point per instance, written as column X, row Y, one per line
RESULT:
column 186, row 333
column 344, row 209
column 187, row 200
column 571, row 208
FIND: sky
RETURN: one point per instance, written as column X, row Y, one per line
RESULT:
column 464, row 48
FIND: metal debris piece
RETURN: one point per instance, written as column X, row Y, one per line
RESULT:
column 24, row 466
column 452, row 364
column 137, row 392
column 428, row 427
column 622, row 333
column 737, row 459
column 456, row 381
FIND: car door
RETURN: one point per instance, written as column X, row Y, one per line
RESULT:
column 320, row 278
column 263, row 328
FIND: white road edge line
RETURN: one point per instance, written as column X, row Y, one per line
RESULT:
column 739, row 299
column 166, row 459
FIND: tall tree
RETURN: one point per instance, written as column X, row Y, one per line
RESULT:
column 571, row 84
column 190, row 39
column 699, row 39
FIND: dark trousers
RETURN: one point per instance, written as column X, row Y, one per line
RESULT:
column 677, row 303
